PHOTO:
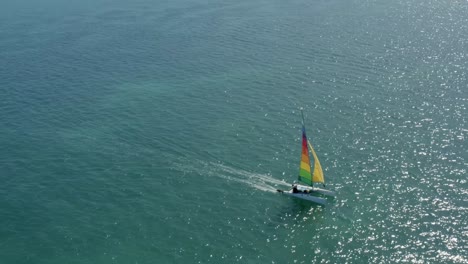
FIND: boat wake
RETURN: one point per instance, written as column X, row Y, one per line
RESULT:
column 262, row 182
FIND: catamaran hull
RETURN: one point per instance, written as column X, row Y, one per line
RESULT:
column 305, row 196
column 316, row 190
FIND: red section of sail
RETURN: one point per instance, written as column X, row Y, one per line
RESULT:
column 305, row 150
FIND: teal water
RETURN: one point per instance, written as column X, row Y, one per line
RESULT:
column 157, row 131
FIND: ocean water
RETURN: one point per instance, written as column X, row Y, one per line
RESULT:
column 158, row 131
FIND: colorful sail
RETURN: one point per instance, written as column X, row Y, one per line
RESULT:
column 304, row 171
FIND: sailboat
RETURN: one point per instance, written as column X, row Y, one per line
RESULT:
column 307, row 190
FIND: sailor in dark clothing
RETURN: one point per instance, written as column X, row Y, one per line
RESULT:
column 294, row 189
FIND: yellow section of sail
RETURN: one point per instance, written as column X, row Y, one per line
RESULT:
column 318, row 173
column 305, row 166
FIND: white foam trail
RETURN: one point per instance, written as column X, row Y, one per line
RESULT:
column 253, row 176
column 262, row 182
column 259, row 186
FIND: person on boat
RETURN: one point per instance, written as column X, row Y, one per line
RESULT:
column 294, row 189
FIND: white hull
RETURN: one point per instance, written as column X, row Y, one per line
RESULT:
column 305, row 196
column 316, row 190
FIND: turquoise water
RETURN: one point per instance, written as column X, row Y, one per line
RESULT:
column 157, row 131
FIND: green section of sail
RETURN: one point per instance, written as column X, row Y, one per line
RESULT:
column 305, row 179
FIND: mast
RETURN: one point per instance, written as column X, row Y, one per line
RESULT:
column 305, row 175
column 302, row 114
column 317, row 174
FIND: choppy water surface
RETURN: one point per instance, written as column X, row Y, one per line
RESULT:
column 157, row 132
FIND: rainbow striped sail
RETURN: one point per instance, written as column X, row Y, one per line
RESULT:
column 304, row 172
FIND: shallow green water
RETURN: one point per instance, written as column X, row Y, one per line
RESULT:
column 157, row 131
